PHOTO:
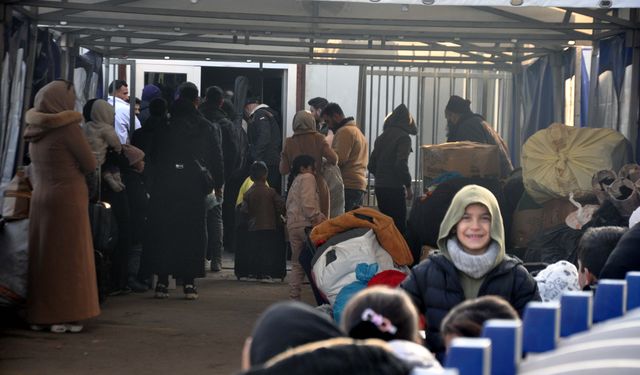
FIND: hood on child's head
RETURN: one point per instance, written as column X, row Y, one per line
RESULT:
column 468, row 195
column 102, row 112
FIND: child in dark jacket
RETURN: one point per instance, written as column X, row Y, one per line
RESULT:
column 263, row 207
column 471, row 263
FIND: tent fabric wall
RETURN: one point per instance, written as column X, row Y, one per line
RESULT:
column 14, row 69
column 613, row 91
column 538, row 101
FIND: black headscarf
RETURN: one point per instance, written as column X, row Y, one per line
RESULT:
column 286, row 325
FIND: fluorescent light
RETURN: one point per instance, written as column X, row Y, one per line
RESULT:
column 167, row 57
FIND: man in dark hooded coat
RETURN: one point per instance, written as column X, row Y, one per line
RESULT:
column 177, row 205
column 389, row 164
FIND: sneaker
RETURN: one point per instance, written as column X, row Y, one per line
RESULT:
column 58, row 328
column 161, row 291
column 74, row 327
column 37, row 327
column 207, row 264
column 216, row 266
column 267, row 280
column 190, row 292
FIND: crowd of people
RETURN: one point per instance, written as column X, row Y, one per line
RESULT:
column 190, row 174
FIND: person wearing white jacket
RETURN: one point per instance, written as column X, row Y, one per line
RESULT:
column 118, row 98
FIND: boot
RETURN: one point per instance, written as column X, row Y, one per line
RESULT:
column 624, row 196
column 630, row 171
column 600, row 182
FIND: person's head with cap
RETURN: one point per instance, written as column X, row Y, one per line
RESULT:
column 150, row 92
column 250, row 104
column 215, row 96
column 286, row 325
column 456, row 108
column 316, row 105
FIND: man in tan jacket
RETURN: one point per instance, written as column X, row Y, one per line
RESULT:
column 353, row 154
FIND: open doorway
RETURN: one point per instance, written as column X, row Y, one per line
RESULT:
column 267, row 84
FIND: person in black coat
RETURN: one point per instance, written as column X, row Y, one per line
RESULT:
column 178, row 189
column 265, row 140
column 471, row 263
column 625, row 256
column 464, row 125
column 389, row 163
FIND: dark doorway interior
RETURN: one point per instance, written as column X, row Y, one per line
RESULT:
column 264, row 83
column 167, row 82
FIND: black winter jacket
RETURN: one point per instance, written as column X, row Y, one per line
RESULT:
column 624, row 257
column 265, row 141
column 389, row 158
column 434, row 286
column 231, row 138
column 470, row 128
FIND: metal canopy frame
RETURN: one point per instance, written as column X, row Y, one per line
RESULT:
column 326, row 32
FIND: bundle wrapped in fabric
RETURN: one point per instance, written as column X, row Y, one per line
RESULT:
column 562, row 159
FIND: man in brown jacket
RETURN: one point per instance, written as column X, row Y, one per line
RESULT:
column 353, row 154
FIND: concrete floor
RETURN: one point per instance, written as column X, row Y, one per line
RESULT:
column 137, row 334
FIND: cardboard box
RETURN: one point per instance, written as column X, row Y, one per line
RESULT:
column 470, row 159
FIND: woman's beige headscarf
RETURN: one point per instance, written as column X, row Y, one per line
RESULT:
column 55, row 97
column 52, row 108
column 303, row 122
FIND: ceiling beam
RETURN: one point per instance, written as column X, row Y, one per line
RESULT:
column 127, row 48
column 603, row 16
column 68, row 11
column 306, row 32
column 522, row 22
column 316, row 61
column 432, row 46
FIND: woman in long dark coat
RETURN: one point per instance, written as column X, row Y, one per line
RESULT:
column 177, row 232
column 62, row 278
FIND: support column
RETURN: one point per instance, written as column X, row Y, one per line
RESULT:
column 577, row 95
column 516, row 131
column 301, row 79
column 593, row 82
column 634, row 104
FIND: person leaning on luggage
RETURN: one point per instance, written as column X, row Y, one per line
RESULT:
column 471, row 263
column 464, row 125
column 62, row 288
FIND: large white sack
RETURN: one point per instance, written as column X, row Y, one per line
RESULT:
column 336, row 266
column 562, row 159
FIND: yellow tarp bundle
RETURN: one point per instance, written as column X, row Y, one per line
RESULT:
column 562, row 159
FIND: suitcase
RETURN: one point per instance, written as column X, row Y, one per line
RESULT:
column 104, row 229
column 102, row 275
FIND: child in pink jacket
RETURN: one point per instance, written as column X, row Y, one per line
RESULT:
column 303, row 210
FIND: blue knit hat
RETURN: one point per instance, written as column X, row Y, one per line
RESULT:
column 150, row 92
